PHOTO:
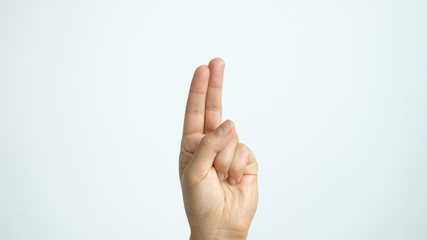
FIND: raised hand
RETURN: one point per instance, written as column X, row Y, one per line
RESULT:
column 218, row 173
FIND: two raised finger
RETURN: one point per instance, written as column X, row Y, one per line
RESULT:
column 203, row 112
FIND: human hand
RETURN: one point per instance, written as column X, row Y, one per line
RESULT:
column 218, row 174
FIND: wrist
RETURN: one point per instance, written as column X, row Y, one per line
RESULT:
column 218, row 234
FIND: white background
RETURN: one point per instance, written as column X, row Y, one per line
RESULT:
column 331, row 96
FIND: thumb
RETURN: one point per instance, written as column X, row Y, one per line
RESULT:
column 209, row 146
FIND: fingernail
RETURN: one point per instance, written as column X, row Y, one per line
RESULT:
column 224, row 129
column 221, row 176
column 232, row 180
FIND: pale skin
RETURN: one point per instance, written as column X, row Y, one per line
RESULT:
column 219, row 175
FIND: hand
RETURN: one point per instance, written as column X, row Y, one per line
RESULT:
column 218, row 174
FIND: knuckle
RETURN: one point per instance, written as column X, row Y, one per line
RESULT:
column 206, row 142
column 213, row 108
column 209, row 129
column 187, row 146
column 244, row 149
column 221, row 167
column 190, row 176
column 189, row 143
column 253, row 163
column 221, row 162
column 194, row 111
column 234, row 170
column 237, row 137
column 184, row 145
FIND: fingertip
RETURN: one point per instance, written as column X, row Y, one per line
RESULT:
column 233, row 126
column 217, row 62
column 202, row 70
column 232, row 181
column 221, row 176
column 225, row 128
column 230, row 122
column 200, row 79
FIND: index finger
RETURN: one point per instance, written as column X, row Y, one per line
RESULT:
column 195, row 109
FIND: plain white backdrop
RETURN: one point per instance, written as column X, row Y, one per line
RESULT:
column 331, row 96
